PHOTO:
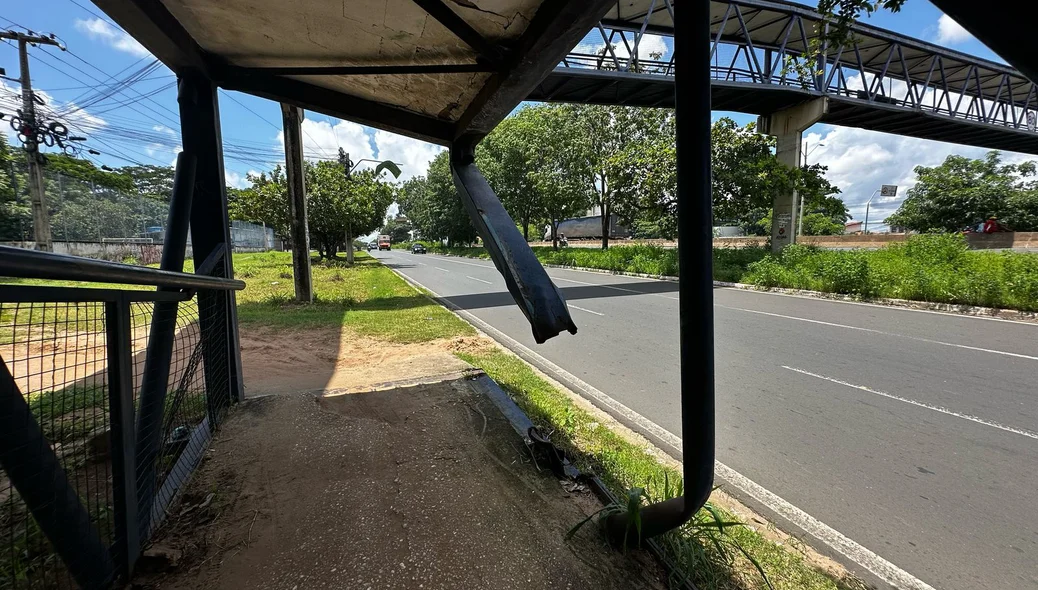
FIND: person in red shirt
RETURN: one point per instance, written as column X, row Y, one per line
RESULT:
column 992, row 225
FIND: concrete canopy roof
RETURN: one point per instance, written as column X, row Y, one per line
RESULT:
column 439, row 70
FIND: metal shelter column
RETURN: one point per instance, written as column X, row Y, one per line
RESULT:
column 695, row 258
column 210, row 233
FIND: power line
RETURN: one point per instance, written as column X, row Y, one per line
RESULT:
column 95, row 14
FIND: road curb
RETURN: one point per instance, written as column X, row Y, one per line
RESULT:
column 951, row 308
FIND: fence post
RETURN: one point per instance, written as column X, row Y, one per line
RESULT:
column 123, row 449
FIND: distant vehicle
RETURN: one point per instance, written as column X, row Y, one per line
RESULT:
column 417, row 248
column 383, row 242
column 372, row 245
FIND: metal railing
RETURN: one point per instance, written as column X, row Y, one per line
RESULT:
column 108, row 399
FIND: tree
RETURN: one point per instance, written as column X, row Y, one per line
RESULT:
column 85, row 170
column 265, row 202
column 604, row 133
column 151, row 181
column 432, row 204
column 341, row 207
column 556, row 169
column 962, row 192
column 398, row 228
column 503, row 158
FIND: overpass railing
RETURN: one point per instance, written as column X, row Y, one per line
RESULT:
column 764, row 42
column 108, row 398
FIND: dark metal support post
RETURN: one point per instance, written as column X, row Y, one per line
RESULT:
column 28, row 460
column 540, row 300
column 292, row 120
column 695, row 258
column 160, row 341
column 127, row 544
column 210, row 231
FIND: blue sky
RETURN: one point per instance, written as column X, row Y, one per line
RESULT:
column 140, row 125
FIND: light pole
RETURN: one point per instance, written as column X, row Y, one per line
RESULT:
column 800, row 222
column 865, row 226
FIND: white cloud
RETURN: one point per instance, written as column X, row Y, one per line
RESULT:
column 649, row 45
column 321, row 140
column 950, row 32
column 412, row 155
column 859, row 161
column 119, row 39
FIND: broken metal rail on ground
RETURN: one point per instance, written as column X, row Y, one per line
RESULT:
column 108, row 398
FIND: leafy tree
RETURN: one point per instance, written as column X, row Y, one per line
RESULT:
column 963, row 191
column 398, row 228
column 85, row 170
column 432, row 204
column 341, row 207
column 152, row 181
column 604, row 134
column 557, row 170
column 266, row 201
column 503, row 158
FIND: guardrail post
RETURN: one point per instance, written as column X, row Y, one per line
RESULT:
column 123, row 451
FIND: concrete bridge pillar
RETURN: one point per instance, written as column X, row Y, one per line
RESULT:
column 788, row 127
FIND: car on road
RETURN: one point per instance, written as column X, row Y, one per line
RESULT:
column 417, row 248
column 372, row 246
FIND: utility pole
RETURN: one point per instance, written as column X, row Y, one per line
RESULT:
column 40, row 220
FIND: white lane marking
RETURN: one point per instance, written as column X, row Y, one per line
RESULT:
column 420, row 263
column 443, row 269
column 860, row 329
column 480, row 280
column 970, row 417
column 587, row 310
column 829, row 536
column 450, row 259
column 881, row 306
column 615, row 288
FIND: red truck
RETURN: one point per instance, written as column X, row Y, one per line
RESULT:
column 383, row 242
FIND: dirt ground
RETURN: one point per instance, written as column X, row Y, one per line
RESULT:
column 275, row 362
column 419, row 487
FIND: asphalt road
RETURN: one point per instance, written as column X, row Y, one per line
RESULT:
column 914, row 434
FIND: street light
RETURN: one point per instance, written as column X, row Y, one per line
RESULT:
column 865, row 226
column 806, row 152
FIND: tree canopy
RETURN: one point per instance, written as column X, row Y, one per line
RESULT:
column 432, row 204
column 962, row 192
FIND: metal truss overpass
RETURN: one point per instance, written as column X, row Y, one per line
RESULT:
column 882, row 81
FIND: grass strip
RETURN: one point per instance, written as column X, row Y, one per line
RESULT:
column 937, row 268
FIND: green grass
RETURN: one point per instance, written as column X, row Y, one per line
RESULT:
column 935, row 268
column 357, row 298
column 715, row 558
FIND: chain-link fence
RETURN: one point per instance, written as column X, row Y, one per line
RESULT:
column 125, row 224
column 97, row 429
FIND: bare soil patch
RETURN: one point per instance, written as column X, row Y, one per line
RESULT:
column 280, row 361
column 420, row 487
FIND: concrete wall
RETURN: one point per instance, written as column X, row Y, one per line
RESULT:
column 143, row 253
